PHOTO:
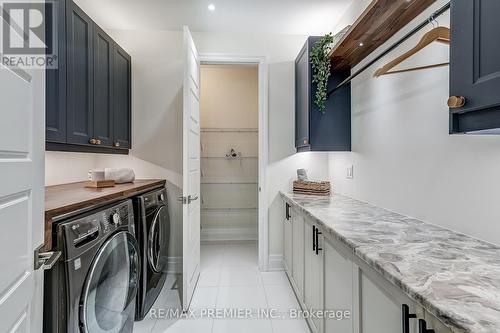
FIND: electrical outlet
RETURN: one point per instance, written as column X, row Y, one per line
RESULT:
column 349, row 172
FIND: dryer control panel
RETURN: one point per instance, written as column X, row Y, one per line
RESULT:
column 154, row 199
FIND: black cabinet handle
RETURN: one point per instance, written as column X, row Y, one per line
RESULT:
column 287, row 211
column 406, row 315
column 317, row 241
column 422, row 327
column 314, row 238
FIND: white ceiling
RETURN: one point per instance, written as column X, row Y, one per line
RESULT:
column 294, row 17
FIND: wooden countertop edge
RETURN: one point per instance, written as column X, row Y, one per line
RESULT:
column 102, row 200
column 96, row 201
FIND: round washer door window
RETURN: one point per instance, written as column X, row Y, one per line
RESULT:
column 158, row 239
column 108, row 299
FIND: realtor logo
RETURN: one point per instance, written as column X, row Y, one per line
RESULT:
column 28, row 34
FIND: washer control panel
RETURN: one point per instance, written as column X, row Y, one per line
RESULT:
column 88, row 229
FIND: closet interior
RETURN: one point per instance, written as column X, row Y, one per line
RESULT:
column 229, row 152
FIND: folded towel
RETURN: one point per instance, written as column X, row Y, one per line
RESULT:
column 122, row 175
column 96, row 175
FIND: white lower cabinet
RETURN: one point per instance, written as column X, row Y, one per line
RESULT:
column 384, row 308
column 313, row 275
column 338, row 290
column 326, row 276
column 298, row 253
column 381, row 311
column 288, row 241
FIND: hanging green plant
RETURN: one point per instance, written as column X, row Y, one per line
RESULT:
column 321, row 69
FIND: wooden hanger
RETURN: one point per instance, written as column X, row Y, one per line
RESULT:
column 438, row 34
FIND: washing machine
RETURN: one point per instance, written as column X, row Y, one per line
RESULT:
column 153, row 235
column 93, row 288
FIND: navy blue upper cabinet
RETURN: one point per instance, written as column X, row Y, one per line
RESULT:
column 55, row 102
column 122, row 101
column 103, row 87
column 316, row 131
column 80, row 61
column 475, row 67
column 88, row 97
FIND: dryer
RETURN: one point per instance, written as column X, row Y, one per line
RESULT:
column 153, row 235
column 93, row 288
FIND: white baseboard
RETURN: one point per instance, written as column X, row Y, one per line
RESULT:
column 228, row 234
column 275, row 262
column 174, row 265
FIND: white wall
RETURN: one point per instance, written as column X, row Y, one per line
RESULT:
column 403, row 157
column 157, row 122
column 62, row 167
column 352, row 12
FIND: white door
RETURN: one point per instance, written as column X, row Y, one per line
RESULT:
column 22, row 140
column 191, row 170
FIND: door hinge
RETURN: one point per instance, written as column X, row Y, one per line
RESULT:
column 45, row 260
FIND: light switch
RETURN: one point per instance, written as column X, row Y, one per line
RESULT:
column 349, row 172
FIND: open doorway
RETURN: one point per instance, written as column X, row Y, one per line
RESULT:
column 229, row 120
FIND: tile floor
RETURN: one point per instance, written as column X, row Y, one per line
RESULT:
column 229, row 279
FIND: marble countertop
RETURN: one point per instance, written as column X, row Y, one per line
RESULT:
column 453, row 276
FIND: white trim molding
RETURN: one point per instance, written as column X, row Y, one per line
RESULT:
column 261, row 61
column 275, row 262
column 174, row 265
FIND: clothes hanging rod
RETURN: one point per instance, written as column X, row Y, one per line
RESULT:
column 419, row 27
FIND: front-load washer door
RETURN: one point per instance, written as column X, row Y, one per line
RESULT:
column 108, row 298
column 158, row 239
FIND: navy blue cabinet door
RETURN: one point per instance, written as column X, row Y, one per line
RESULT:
column 103, row 87
column 122, row 99
column 316, row 131
column 79, row 102
column 302, row 98
column 475, row 65
column 55, row 102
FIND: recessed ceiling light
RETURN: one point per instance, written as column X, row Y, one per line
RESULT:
column 211, row 7
column 361, row 44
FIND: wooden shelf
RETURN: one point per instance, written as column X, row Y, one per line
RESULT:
column 379, row 22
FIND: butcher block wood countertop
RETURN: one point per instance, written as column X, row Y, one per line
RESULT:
column 75, row 197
